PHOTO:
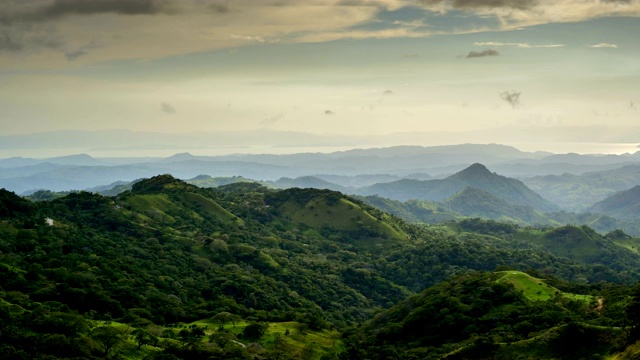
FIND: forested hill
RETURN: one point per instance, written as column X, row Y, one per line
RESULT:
column 171, row 270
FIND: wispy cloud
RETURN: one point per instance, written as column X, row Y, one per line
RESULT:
column 518, row 45
column 603, row 45
column 272, row 120
column 254, row 38
column 513, row 14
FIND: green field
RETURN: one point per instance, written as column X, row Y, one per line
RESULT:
column 535, row 289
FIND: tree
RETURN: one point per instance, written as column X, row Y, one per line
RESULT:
column 254, row 330
column 225, row 317
column 108, row 336
column 143, row 337
column 221, row 338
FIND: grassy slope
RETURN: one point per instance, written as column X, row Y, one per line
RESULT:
column 295, row 340
column 344, row 215
column 535, row 289
column 161, row 208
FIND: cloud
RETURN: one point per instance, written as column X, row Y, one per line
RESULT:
column 469, row 4
column 60, row 8
column 220, row 7
column 252, row 38
column 604, row 45
column 483, row 53
column 518, row 45
column 73, row 54
column 205, row 25
column 21, row 37
column 512, row 97
column 273, row 119
column 30, row 26
column 514, row 14
column 167, row 108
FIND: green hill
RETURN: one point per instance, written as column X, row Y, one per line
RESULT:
column 487, row 316
column 333, row 213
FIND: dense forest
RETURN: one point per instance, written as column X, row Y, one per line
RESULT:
column 169, row 270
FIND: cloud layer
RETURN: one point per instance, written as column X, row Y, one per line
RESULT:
column 139, row 29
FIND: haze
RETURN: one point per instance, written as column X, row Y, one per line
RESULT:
column 557, row 75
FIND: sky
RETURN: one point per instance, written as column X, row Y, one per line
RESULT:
column 366, row 68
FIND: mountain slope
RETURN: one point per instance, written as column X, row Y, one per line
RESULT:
column 476, row 176
column 622, row 205
column 478, row 203
column 579, row 192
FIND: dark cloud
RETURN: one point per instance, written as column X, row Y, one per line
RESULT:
column 46, row 11
column 471, row 4
column 167, row 108
column 21, row 37
column 221, row 7
column 61, row 8
column 512, row 97
column 483, row 53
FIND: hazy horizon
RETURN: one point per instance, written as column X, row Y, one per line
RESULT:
column 557, row 76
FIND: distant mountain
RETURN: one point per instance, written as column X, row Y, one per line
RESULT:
column 206, row 181
column 357, row 181
column 17, row 162
column 476, row 176
column 579, row 192
column 77, row 160
column 622, row 205
column 397, row 160
column 179, row 157
column 478, row 203
column 307, row 182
